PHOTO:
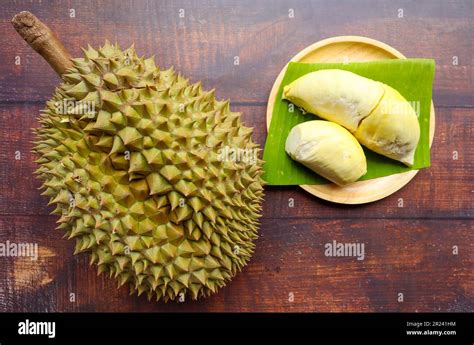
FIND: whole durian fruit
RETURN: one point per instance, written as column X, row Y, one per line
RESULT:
column 139, row 180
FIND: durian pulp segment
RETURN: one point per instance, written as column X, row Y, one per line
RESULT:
column 336, row 95
column 392, row 129
column 328, row 149
column 378, row 115
column 139, row 181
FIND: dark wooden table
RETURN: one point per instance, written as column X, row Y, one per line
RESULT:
column 409, row 237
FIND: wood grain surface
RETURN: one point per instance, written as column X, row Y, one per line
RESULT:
column 409, row 237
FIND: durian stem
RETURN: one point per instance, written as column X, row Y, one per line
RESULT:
column 42, row 40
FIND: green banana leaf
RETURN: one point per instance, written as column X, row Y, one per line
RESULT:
column 413, row 78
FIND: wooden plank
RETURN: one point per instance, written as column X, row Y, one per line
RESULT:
column 445, row 190
column 203, row 45
column 289, row 271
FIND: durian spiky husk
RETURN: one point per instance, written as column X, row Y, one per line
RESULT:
column 139, row 182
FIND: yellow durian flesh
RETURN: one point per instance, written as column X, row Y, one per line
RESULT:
column 328, row 149
column 392, row 129
column 336, row 95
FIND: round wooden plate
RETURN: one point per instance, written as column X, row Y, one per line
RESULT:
column 350, row 49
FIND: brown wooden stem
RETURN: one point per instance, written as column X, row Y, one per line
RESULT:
column 43, row 41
